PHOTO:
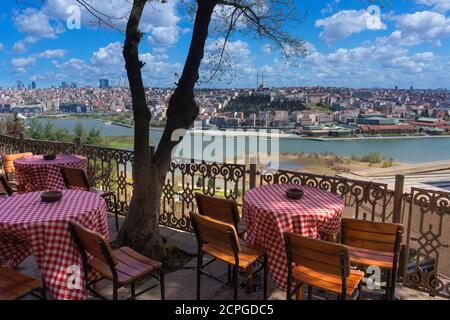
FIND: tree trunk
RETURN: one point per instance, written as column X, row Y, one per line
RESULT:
column 140, row 229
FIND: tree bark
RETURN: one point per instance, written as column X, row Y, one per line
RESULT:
column 140, row 229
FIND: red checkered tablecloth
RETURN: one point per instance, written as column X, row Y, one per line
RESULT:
column 268, row 213
column 30, row 226
column 35, row 174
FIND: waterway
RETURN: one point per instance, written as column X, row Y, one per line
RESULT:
column 402, row 150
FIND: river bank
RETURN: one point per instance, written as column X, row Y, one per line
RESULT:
column 402, row 149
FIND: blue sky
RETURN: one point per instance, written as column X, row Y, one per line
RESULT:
column 408, row 44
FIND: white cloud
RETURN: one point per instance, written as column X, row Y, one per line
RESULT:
column 108, row 56
column 107, row 62
column 49, row 20
column 347, row 22
column 52, row 53
column 266, row 49
column 417, row 28
column 361, row 66
column 36, row 25
column 330, row 7
column 164, row 35
column 2, row 47
column 441, row 6
column 235, row 65
column 21, row 64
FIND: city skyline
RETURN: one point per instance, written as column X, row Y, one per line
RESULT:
column 407, row 46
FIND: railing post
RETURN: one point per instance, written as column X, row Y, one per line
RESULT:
column 398, row 198
column 21, row 142
column 252, row 177
column 77, row 141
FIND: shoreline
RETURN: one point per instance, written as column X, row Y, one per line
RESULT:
column 264, row 134
column 252, row 133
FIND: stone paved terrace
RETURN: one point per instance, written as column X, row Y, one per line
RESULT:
column 181, row 284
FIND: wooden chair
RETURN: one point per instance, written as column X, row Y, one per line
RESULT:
column 9, row 169
column 221, row 209
column 6, row 188
column 220, row 240
column 14, row 285
column 122, row 266
column 75, row 178
column 319, row 264
column 374, row 244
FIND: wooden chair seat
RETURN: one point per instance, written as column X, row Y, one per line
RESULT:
column 131, row 266
column 361, row 256
column 326, row 281
column 14, row 285
column 248, row 255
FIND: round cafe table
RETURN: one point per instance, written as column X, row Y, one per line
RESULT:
column 30, row 226
column 268, row 213
column 35, row 174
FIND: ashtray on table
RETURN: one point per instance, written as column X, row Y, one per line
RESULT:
column 294, row 193
column 51, row 156
column 51, row 196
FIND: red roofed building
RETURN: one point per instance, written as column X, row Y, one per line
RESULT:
column 388, row 129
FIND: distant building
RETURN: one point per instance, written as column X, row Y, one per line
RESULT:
column 27, row 109
column 314, row 98
column 104, row 83
column 75, row 108
column 20, row 85
column 281, row 116
column 6, row 107
column 33, row 84
column 388, row 129
column 375, row 119
column 64, row 85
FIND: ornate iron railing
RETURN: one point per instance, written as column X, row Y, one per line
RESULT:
column 427, row 254
column 187, row 177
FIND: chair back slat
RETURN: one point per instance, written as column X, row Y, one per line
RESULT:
column 221, row 209
column 222, row 236
column 379, row 236
column 321, row 256
column 8, row 161
column 5, row 187
column 75, row 178
column 91, row 242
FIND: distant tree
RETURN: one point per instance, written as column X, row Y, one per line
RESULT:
column 35, row 130
column 14, row 125
column 93, row 137
column 199, row 182
column 210, row 185
column 49, row 131
column 79, row 131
